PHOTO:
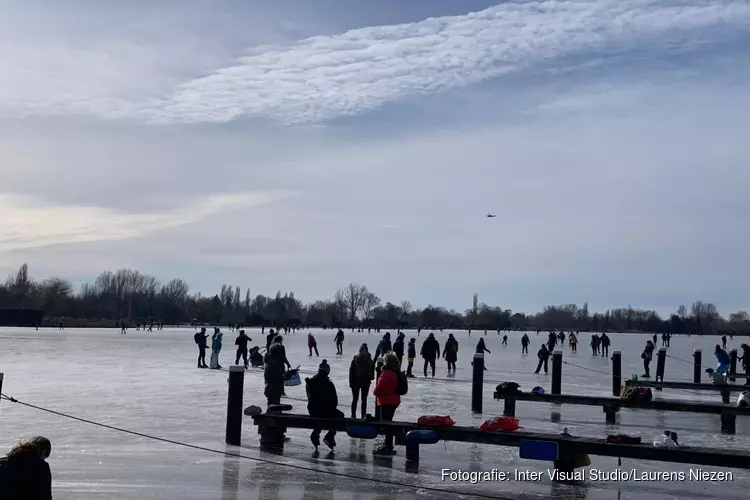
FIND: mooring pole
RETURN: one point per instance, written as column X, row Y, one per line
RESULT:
column 1, row 383
column 616, row 373
column 477, row 383
column 557, row 372
column 732, row 364
column 661, row 360
column 697, row 366
column 236, row 383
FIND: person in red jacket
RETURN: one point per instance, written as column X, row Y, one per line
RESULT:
column 388, row 399
column 312, row 344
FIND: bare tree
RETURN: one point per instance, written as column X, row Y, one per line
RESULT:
column 682, row 312
column 370, row 302
column 340, row 302
column 354, row 295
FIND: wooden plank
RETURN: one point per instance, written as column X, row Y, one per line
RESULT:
column 654, row 404
column 687, row 385
column 719, row 457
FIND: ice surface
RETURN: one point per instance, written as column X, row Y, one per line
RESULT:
column 148, row 382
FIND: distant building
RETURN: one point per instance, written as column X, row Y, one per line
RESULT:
column 20, row 317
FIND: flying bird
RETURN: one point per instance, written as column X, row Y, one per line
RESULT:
column 491, row 215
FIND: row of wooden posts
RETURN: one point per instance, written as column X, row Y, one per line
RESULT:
column 237, row 376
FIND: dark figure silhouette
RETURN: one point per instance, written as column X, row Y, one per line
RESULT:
column 543, row 355
column 241, row 344
column 201, row 338
column 430, row 351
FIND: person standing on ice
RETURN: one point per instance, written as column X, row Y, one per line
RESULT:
column 216, row 349
column 481, row 349
column 322, row 402
column 543, row 355
column 241, row 344
column 384, row 345
column 411, row 355
column 505, row 341
column 269, row 339
column 273, row 374
column 361, row 375
column 525, row 344
column 201, row 338
column 312, row 344
column 398, row 348
column 387, row 398
column 723, row 360
column 430, row 351
column 339, row 340
column 647, row 355
column 450, row 354
column 605, row 344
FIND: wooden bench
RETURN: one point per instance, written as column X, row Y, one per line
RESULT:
column 612, row 405
column 725, row 389
column 558, row 448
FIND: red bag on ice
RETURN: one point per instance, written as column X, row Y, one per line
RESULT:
column 437, row 421
column 501, row 424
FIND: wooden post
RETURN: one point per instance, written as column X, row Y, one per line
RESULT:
column 610, row 414
column 412, row 452
column 1, row 382
column 556, row 372
column 236, row 383
column 697, row 366
column 732, row 364
column 728, row 422
column 509, row 410
column 725, row 395
column 616, row 373
column 477, row 383
column 661, row 360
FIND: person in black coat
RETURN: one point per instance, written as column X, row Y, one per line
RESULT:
column 361, row 375
column 274, row 371
column 241, row 344
column 201, row 338
column 543, row 355
column 430, row 351
column 322, row 402
column 398, row 348
column 269, row 339
column 411, row 355
column 24, row 473
column 450, row 353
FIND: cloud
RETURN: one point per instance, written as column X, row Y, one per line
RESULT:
column 27, row 223
column 325, row 77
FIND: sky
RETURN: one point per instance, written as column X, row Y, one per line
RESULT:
column 302, row 145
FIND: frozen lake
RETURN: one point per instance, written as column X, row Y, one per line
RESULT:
column 148, row 382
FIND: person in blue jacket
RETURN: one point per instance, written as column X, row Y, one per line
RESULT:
column 216, row 349
column 384, row 346
column 723, row 358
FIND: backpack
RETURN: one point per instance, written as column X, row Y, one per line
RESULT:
column 402, row 386
column 507, row 388
column 197, row 338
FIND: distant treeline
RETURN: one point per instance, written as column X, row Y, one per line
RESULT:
column 127, row 295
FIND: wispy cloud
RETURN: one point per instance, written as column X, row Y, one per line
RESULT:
column 26, row 224
column 324, row 77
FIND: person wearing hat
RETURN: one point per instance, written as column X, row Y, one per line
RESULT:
column 398, row 347
column 322, row 402
column 241, row 344
column 274, row 372
column 411, row 354
column 216, row 349
column 201, row 338
column 387, row 399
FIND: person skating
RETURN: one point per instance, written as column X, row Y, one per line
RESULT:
column 384, row 345
column 388, row 399
column 525, row 344
column 573, row 342
column 201, row 338
column 24, row 472
column 724, row 341
column 312, row 344
column 339, row 341
column 604, row 344
column 322, row 402
column 216, row 344
column 411, row 354
column 543, row 355
column 430, row 351
column 361, row 375
column 551, row 341
column 450, row 354
column 505, row 341
column 398, row 348
column 647, row 355
column 241, row 344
